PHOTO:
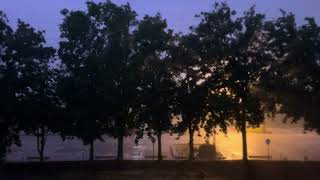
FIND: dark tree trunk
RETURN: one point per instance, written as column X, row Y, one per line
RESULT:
column 91, row 157
column 120, row 148
column 244, row 140
column 40, row 147
column 191, row 153
column 41, row 141
column 159, row 146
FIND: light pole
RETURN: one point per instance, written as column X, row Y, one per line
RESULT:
column 268, row 141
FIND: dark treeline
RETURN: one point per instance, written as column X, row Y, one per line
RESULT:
column 119, row 76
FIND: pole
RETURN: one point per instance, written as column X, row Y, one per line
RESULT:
column 268, row 153
column 268, row 141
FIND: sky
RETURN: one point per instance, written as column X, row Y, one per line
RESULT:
column 45, row 14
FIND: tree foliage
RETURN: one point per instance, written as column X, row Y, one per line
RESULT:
column 157, row 97
column 96, row 48
column 8, row 83
column 38, row 103
column 296, row 69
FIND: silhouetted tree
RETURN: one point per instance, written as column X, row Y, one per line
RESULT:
column 215, row 34
column 97, row 49
column 152, row 39
column 36, row 94
column 191, row 95
column 9, row 132
column 297, row 69
column 117, row 23
column 240, row 46
column 249, row 60
column 84, row 88
column 202, row 99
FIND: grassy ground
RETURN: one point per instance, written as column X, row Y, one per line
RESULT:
column 215, row 170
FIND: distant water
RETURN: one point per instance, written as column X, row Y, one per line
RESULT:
column 287, row 142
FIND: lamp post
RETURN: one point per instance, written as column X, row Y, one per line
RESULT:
column 268, row 141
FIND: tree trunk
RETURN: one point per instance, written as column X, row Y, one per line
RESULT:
column 244, row 140
column 40, row 147
column 120, row 148
column 191, row 153
column 159, row 146
column 91, row 157
column 41, row 141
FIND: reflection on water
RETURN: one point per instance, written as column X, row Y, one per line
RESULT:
column 287, row 142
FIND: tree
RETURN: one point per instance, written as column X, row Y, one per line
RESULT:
column 9, row 132
column 191, row 95
column 240, row 47
column 215, row 34
column 83, row 87
column 152, row 39
column 97, row 49
column 24, row 65
column 37, row 86
column 297, row 69
column 203, row 101
column 250, row 59
column 118, row 23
